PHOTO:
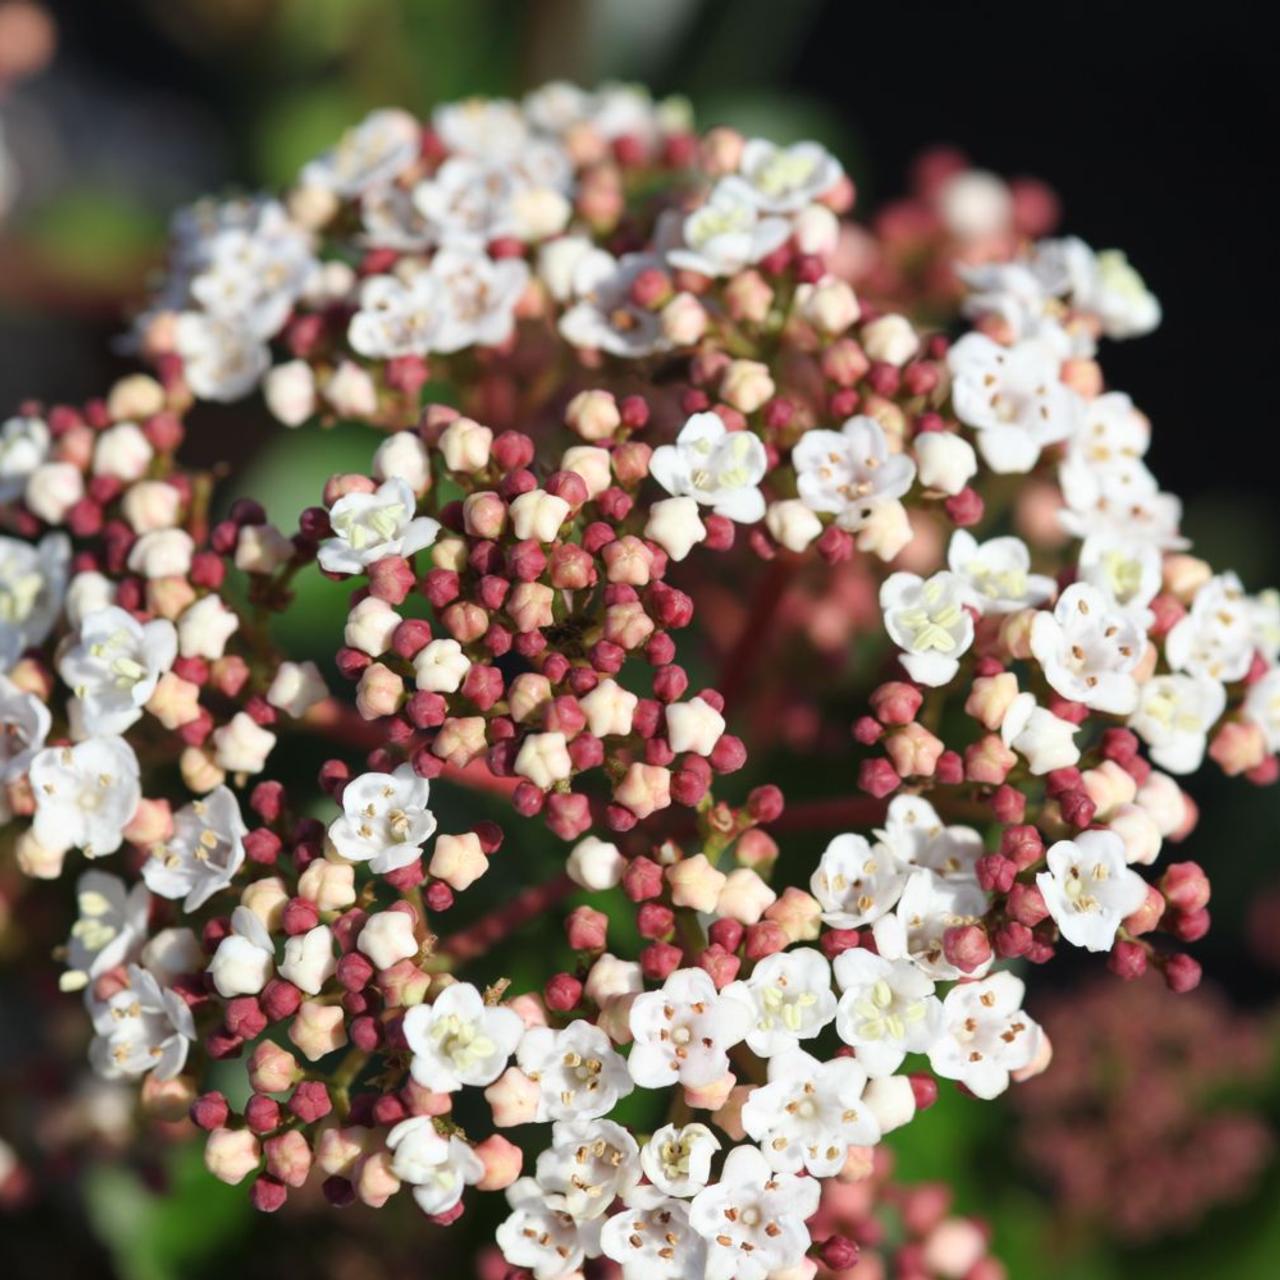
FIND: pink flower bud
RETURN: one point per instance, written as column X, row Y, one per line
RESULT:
column 966, row 947
column 231, row 1154
column 512, row 1098
column 502, row 1162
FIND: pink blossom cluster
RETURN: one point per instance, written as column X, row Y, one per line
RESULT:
column 615, row 366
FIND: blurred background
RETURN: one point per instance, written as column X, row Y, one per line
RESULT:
column 1149, row 1150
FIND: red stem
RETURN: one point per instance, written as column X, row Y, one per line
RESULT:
column 746, row 650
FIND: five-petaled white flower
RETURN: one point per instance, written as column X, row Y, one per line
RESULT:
column 929, row 905
column 753, row 1219
column 985, row 1035
column 85, row 795
column 721, row 469
column 438, row 1168
column 919, row 838
column 589, row 1164
column 996, row 574
column 385, row 820
column 856, row 884
column 142, row 1027
column 110, row 927
column 220, row 361
column 851, row 472
column 24, row 726
column 369, row 526
column 1262, row 707
column 1013, row 398
column 603, row 315
column 790, row 998
column 24, row 445
column 1088, row 648
column 478, row 298
column 458, row 1040
column 810, row 1113
column 1128, row 568
column 1105, row 285
column 548, row 1241
column 888, row 1009
column 728, row 232
column 1089, row 888
column 33, row 579
column 113, row 667
column 397, row 317
column 683, row 1032
column 927, row 619
column 578, row 1073
column 204, row 852
column 678, row 1160
column 651, row 1239
column 370, row 154
column 1174, row 716
column 1215, row 639
column 786, row 179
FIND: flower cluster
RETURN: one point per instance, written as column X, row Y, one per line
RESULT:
column 662, row 356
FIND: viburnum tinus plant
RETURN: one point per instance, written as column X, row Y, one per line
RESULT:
column 677, row 367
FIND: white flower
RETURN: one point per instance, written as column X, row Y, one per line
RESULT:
column 24, row 726
column 459, row 1040
column 203, row 854
column 753, row 1219
column 589, row 1164
column 296, row 688
column 677, row 1160
column 441, row 666
column 1121, row 498
column 856, row 884
column 595, row 864
column 220, row 361
column 490, row 128
column 888, row 1009
column 651, row 1238
column 928, row 906
column 370, row 526
column 985, row 1035
column 1089, row 888
column 397, row 317
column 33, row 580
column 786, row 179
column 728, row 233
column 927, row 620
column 1013, row 398
column 245, row 958
column 1174, row 716
column 438, row 1168
column 789, row 997
column 1105, row 285
column 1112, row 432
column 603, row 316
column 478, row 298
column 719, row 468
column 810, row 1113
column 578, row 1073
column 1024, row 293
column 1262, row 707
column 370, row 154
column 110, row 927
column 919, row 838
column 24, row 445
column 1128, row 568
column 85, row 795
column 385, row 819
column 1215, row 639
column 546, row 1240
column 1088, row 648
column 1045, row 741
column 997, row 573
column 850, row 472
column 142, row 1028
column 683, row 1032
column 205, row 627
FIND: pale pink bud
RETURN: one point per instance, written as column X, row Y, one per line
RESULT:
column 1084, row 377
column 695, row 883
column 375, row 1183
column 914, row 751
column 713, row 1096
column 351, row 392
column 890, row 338
column 798, row 914
column 199, row 772
column 151, row 824
column 628, row 560
column 674, row 524
column 338, row 1149
column 627, row 625
column 1238, row 747
column 830, row 305
column 593, row 415
column 243, row 745
column 721, row 151
column 513, row 1099
column 1109, row 786
column 744, row 897
column 53, row 488
column 272, row 1069
column 591, row 464
column 684, row 320
column 134, row 398
column 330, row 885
column 1015, row 633
column 169, row 597
column 988, row 760
column 527, row 694
column 644, row 789
column 151, row 504
column 792, row 524
column 175, row 701
column 747, row 385
column 484, row 514
column 748, row 297
column 1136, row 827
column 529, row 606
column 609, row 709
column 460, row 740
column 887, row 531
column 728, row 1116
column 387, row 938
column 465, row 445
column 954, row 1247
column 543, row 758
column 538, row 515
column 288, row 1158
column 1184, row 575
column 231, row 1154
column 317, row 1029
column 502, row 1162
column 458, row 860
column 168, row 1100
column 595, row 864
column 990, row 698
